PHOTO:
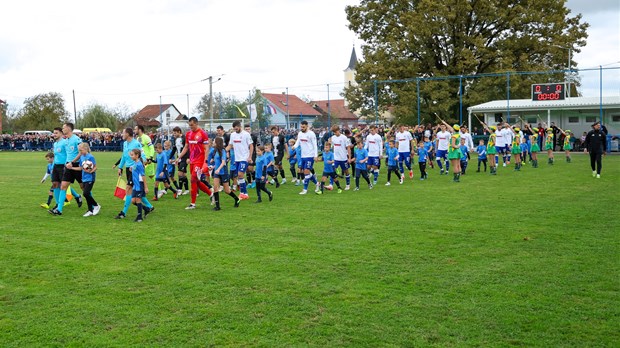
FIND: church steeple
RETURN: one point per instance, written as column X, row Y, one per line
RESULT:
column 352, row 61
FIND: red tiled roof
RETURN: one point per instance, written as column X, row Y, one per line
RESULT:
column 296, row 106
column 337, row 109
column 151, row 111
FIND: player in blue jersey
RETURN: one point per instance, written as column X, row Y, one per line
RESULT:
column 125, row 163
column 328, row 168
column 423, row 158
column 162, row 161
column 292, row 160
column 70, row 146
column 171, row 166
column 300, row 172
column 392, row 157
column 361, row 158
column 220, row 173
column 49, row 157
column 464, row 159
column 233, row 170
column 272, row 171
column 88, row 178
column 482, row 155
column 140, row 188
column 429, row 146
column 260, row 170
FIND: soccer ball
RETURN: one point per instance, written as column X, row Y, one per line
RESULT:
column 88, row 165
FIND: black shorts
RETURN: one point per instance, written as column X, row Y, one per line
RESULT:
column 138, row 194
column 182, row 165
column 164, row 179
column 70, row 175
column 330, row 175
column 57, row 172
column 129, row 176
column 278, row 160
column 223, row 177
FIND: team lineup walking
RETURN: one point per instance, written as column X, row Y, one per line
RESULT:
column 235, row 161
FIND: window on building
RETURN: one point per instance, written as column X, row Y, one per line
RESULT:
column 498, row 118
column 590, row 119
column 573, row 119
column 532, row 120
column 615, row 118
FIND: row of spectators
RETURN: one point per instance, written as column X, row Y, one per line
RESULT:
column 113, row 141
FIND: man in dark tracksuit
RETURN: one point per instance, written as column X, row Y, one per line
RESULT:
column 596, row 145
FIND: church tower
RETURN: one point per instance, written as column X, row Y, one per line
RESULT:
column 350, row 72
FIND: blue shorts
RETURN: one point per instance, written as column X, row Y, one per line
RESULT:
column 223, row 177
column 374, row 161
column 299, row 163
column 292, row 163
column 404, row 156
column 233, row 173
column 307, row 163
column 242, row 166
column 270, row 172
column 344, row 165
column 359, row 171
column 162, row 178
column 501, row 149
column 442, row 154
column 392, row 167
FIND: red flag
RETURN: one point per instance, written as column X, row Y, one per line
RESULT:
column 121, row 188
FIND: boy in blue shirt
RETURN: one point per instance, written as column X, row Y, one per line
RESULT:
column 233, row 170
column 422, row 158
column 430, row 150
column 260, row 170
column 361, row 157
column 161, row 172
column 50, row 169
column 391, row 154
column 482, row 155
column 140, row 189
column 171, row 166
column 464, row 150
column 328, row 169
column 292, row 160
column 271, row 164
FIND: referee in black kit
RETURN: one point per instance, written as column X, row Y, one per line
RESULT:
column 596, row 145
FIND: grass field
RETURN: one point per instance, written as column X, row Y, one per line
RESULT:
column 519, row 259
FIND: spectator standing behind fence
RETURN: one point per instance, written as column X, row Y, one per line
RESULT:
column 596, row 145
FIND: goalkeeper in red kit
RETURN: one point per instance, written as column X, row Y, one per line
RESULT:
column 197, row 143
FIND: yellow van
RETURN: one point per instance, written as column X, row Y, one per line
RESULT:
column 96, row 130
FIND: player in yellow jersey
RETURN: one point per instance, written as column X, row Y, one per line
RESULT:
column 454, row 153
column 549, row 145
column 535, row 148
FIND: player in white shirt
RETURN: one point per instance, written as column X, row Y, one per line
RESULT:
column 374, row 146
column 341, row 145
column 469, row 142
column 241, row 142
column 306, row 140
column 443, row 143
column 405, row 150
column 500, row 144
column 508, row 137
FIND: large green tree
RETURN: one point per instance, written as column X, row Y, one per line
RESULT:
column 429, row 38
column 98, row 116
column 42, row 112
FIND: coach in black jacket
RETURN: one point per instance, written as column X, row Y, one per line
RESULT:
column 596, row 145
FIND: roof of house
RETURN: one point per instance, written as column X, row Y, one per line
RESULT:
column 528, row 104
column 147, row 117
column 296, row 106
column 352, row 61
column 336, row 108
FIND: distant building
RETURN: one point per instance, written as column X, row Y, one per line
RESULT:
column 337, row 110
column 156, row 116
column 576, row 113
column 281, row 105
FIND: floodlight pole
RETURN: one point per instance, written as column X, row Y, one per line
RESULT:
column 329, row 115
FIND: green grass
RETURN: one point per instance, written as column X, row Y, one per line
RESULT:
column 520, row 259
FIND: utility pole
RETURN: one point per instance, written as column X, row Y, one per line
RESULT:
column 211, row 102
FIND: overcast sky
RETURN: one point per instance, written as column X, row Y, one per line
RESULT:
column 133, row 52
